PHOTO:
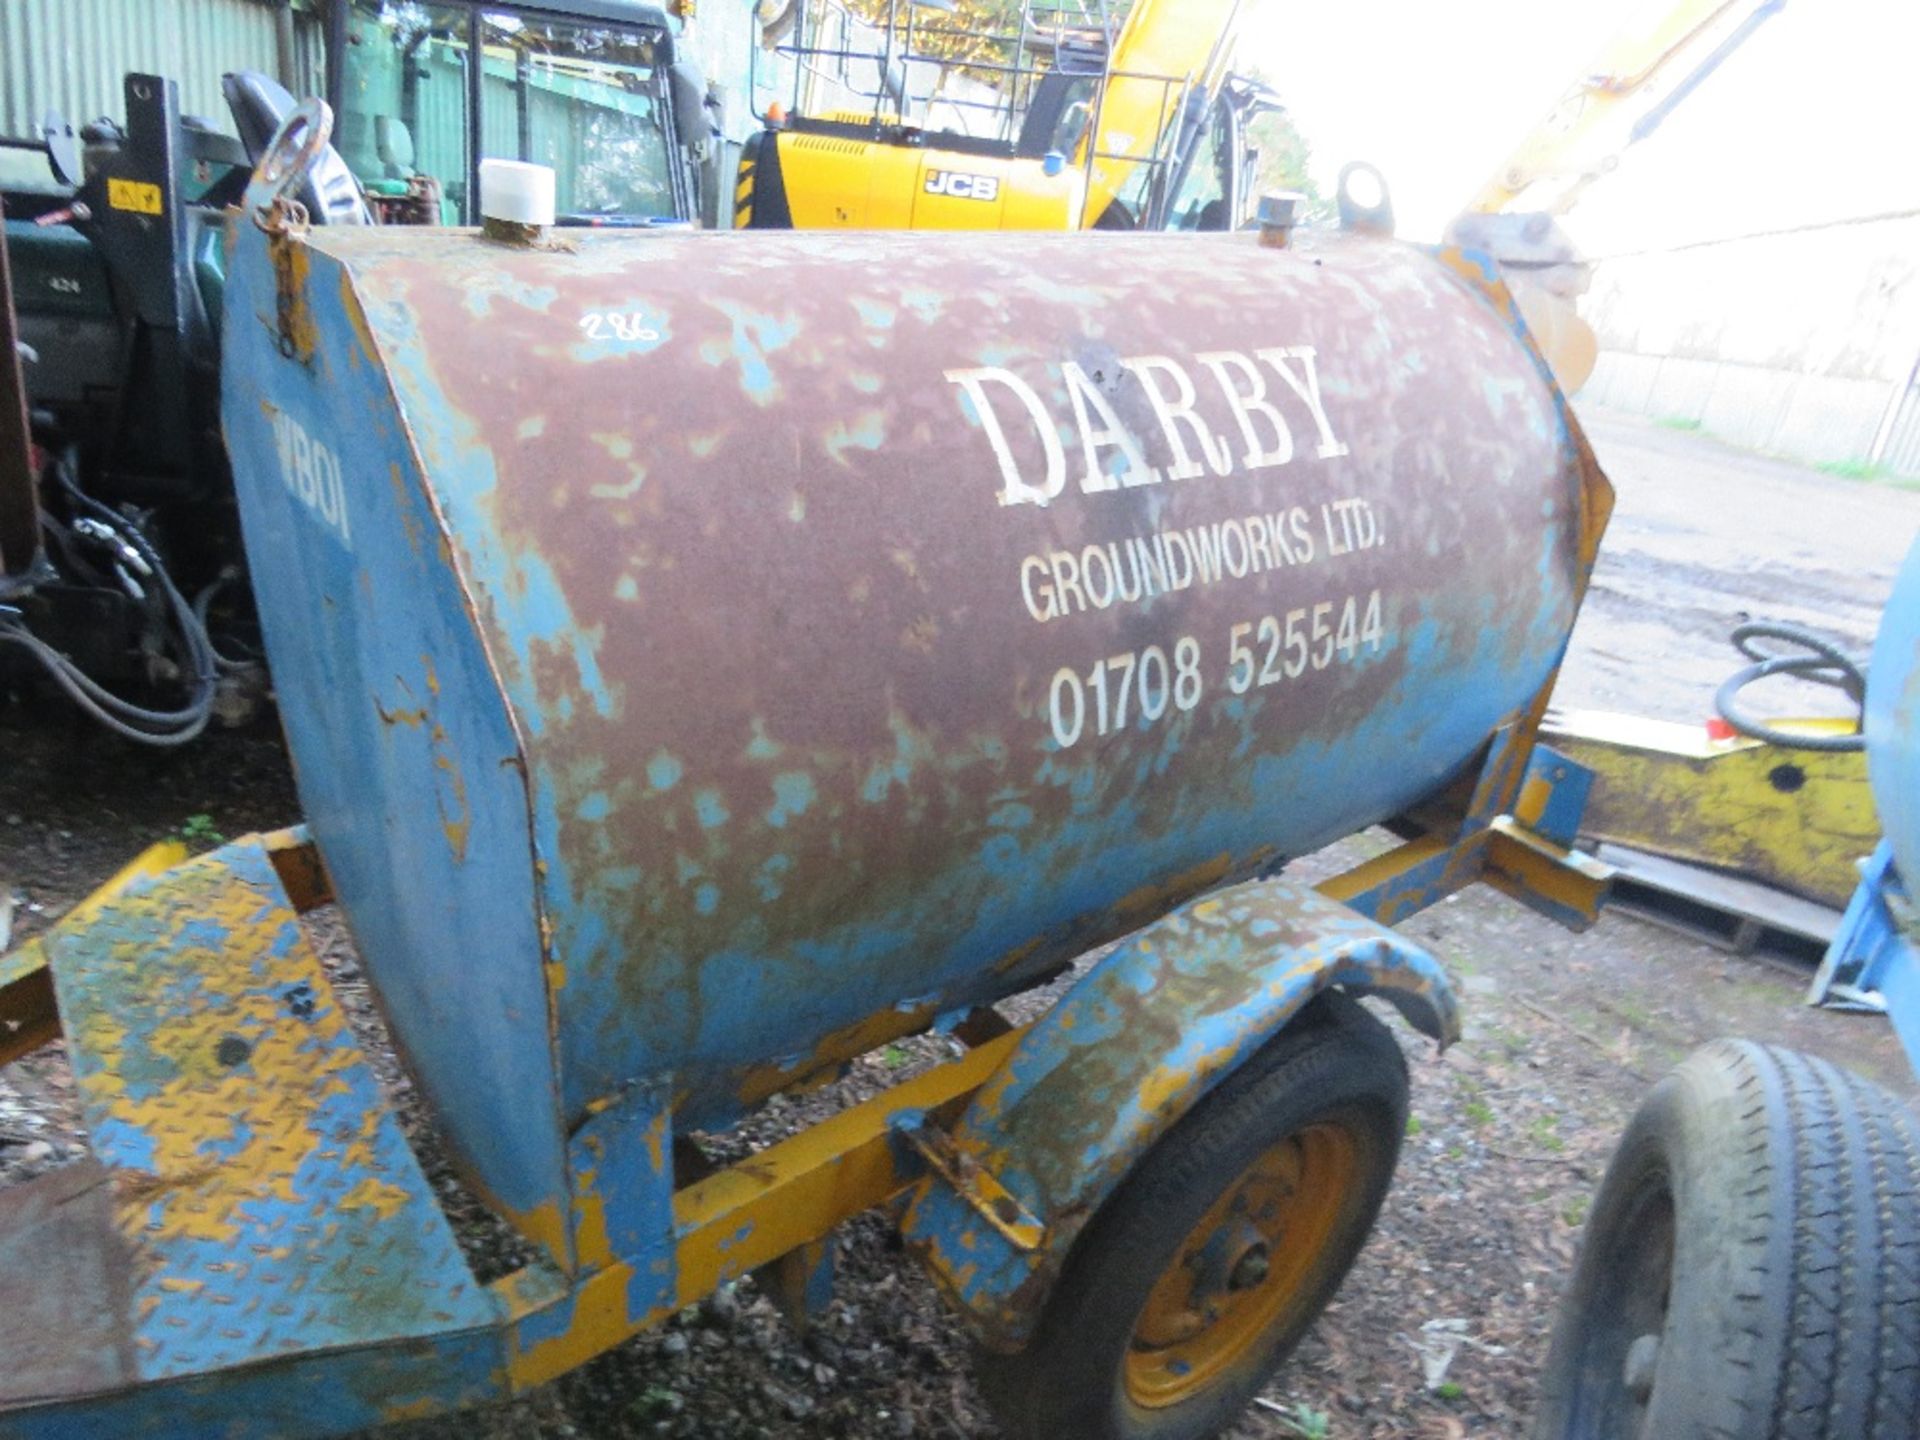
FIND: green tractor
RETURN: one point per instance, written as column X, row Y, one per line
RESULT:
column 121, row 576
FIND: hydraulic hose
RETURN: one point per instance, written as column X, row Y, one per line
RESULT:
column 1812, row 658
column 194, row 645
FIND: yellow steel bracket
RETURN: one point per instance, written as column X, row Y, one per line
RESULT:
column 1556, row 880
column 979, row 1188
column 1793, row 819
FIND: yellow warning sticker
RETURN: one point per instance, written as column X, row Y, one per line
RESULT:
column 135, row 195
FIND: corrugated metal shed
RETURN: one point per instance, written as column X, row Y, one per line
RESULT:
column 72, row 55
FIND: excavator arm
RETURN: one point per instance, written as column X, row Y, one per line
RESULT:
column 1649, row 69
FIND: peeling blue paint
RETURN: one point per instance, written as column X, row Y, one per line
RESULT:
column 792, row 793
column 663, row 771
column 867, row 432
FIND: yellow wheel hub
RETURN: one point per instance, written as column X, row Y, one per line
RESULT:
column 1244, row 1269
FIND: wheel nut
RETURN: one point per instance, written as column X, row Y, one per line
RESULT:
column 1250, row 1271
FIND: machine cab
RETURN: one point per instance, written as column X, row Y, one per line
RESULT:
column 423, row 92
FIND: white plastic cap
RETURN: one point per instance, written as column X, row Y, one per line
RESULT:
column 516, row 191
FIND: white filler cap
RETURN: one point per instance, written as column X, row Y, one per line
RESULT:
column 516, row 191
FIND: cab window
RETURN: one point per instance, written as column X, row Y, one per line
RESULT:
column 1200, row 202
column 403, row 100
column 587, row 100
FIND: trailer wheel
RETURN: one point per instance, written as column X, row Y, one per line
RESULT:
column 1752, row 1264
column 1204, row 1270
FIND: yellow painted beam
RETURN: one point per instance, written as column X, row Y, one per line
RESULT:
column 1794, row 819
column 28, row 1016
column 798, row 1190
column 1582, row 136
column 756, row 1211
column 1394, row 863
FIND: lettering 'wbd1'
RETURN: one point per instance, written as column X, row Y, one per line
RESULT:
column 312, row 474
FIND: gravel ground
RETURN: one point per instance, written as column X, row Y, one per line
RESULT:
column 1441, row 1328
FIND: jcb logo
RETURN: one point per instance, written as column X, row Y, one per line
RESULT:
column 963, row 187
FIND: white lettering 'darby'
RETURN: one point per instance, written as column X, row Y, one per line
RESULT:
column 1100, row 425
column 1240, row 388
column 1245, row 389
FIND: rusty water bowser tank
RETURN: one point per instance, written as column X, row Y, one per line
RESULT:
column 707, row 655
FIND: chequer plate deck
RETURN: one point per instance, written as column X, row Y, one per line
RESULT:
column 250, row 1197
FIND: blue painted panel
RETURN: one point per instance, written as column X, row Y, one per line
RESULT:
column 1893, row 767
column 1870, row 952
column 408, row 767
column 1567, row 786
column 314, row 1394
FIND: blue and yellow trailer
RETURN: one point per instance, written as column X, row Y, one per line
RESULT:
column 708, row 657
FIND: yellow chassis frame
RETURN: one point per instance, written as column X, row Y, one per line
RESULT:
column 776, row 1207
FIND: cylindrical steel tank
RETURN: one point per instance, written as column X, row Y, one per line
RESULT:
column 706, row 655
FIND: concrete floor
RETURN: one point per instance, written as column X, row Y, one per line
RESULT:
column 1703, row 537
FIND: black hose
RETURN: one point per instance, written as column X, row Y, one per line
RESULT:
column 1819, row 660
column 1849, row 674
column 202, row 604
column 194, row 645
column 184, row 725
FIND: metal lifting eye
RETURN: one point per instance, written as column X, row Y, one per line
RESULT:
column 299, row 141
column 1364, row 200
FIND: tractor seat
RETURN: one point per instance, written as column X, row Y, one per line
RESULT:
column 393, row 142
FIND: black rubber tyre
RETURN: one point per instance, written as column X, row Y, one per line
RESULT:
column 1333, row 1066
column 1751, row 1268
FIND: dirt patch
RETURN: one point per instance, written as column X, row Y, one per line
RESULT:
column 1704, row 537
